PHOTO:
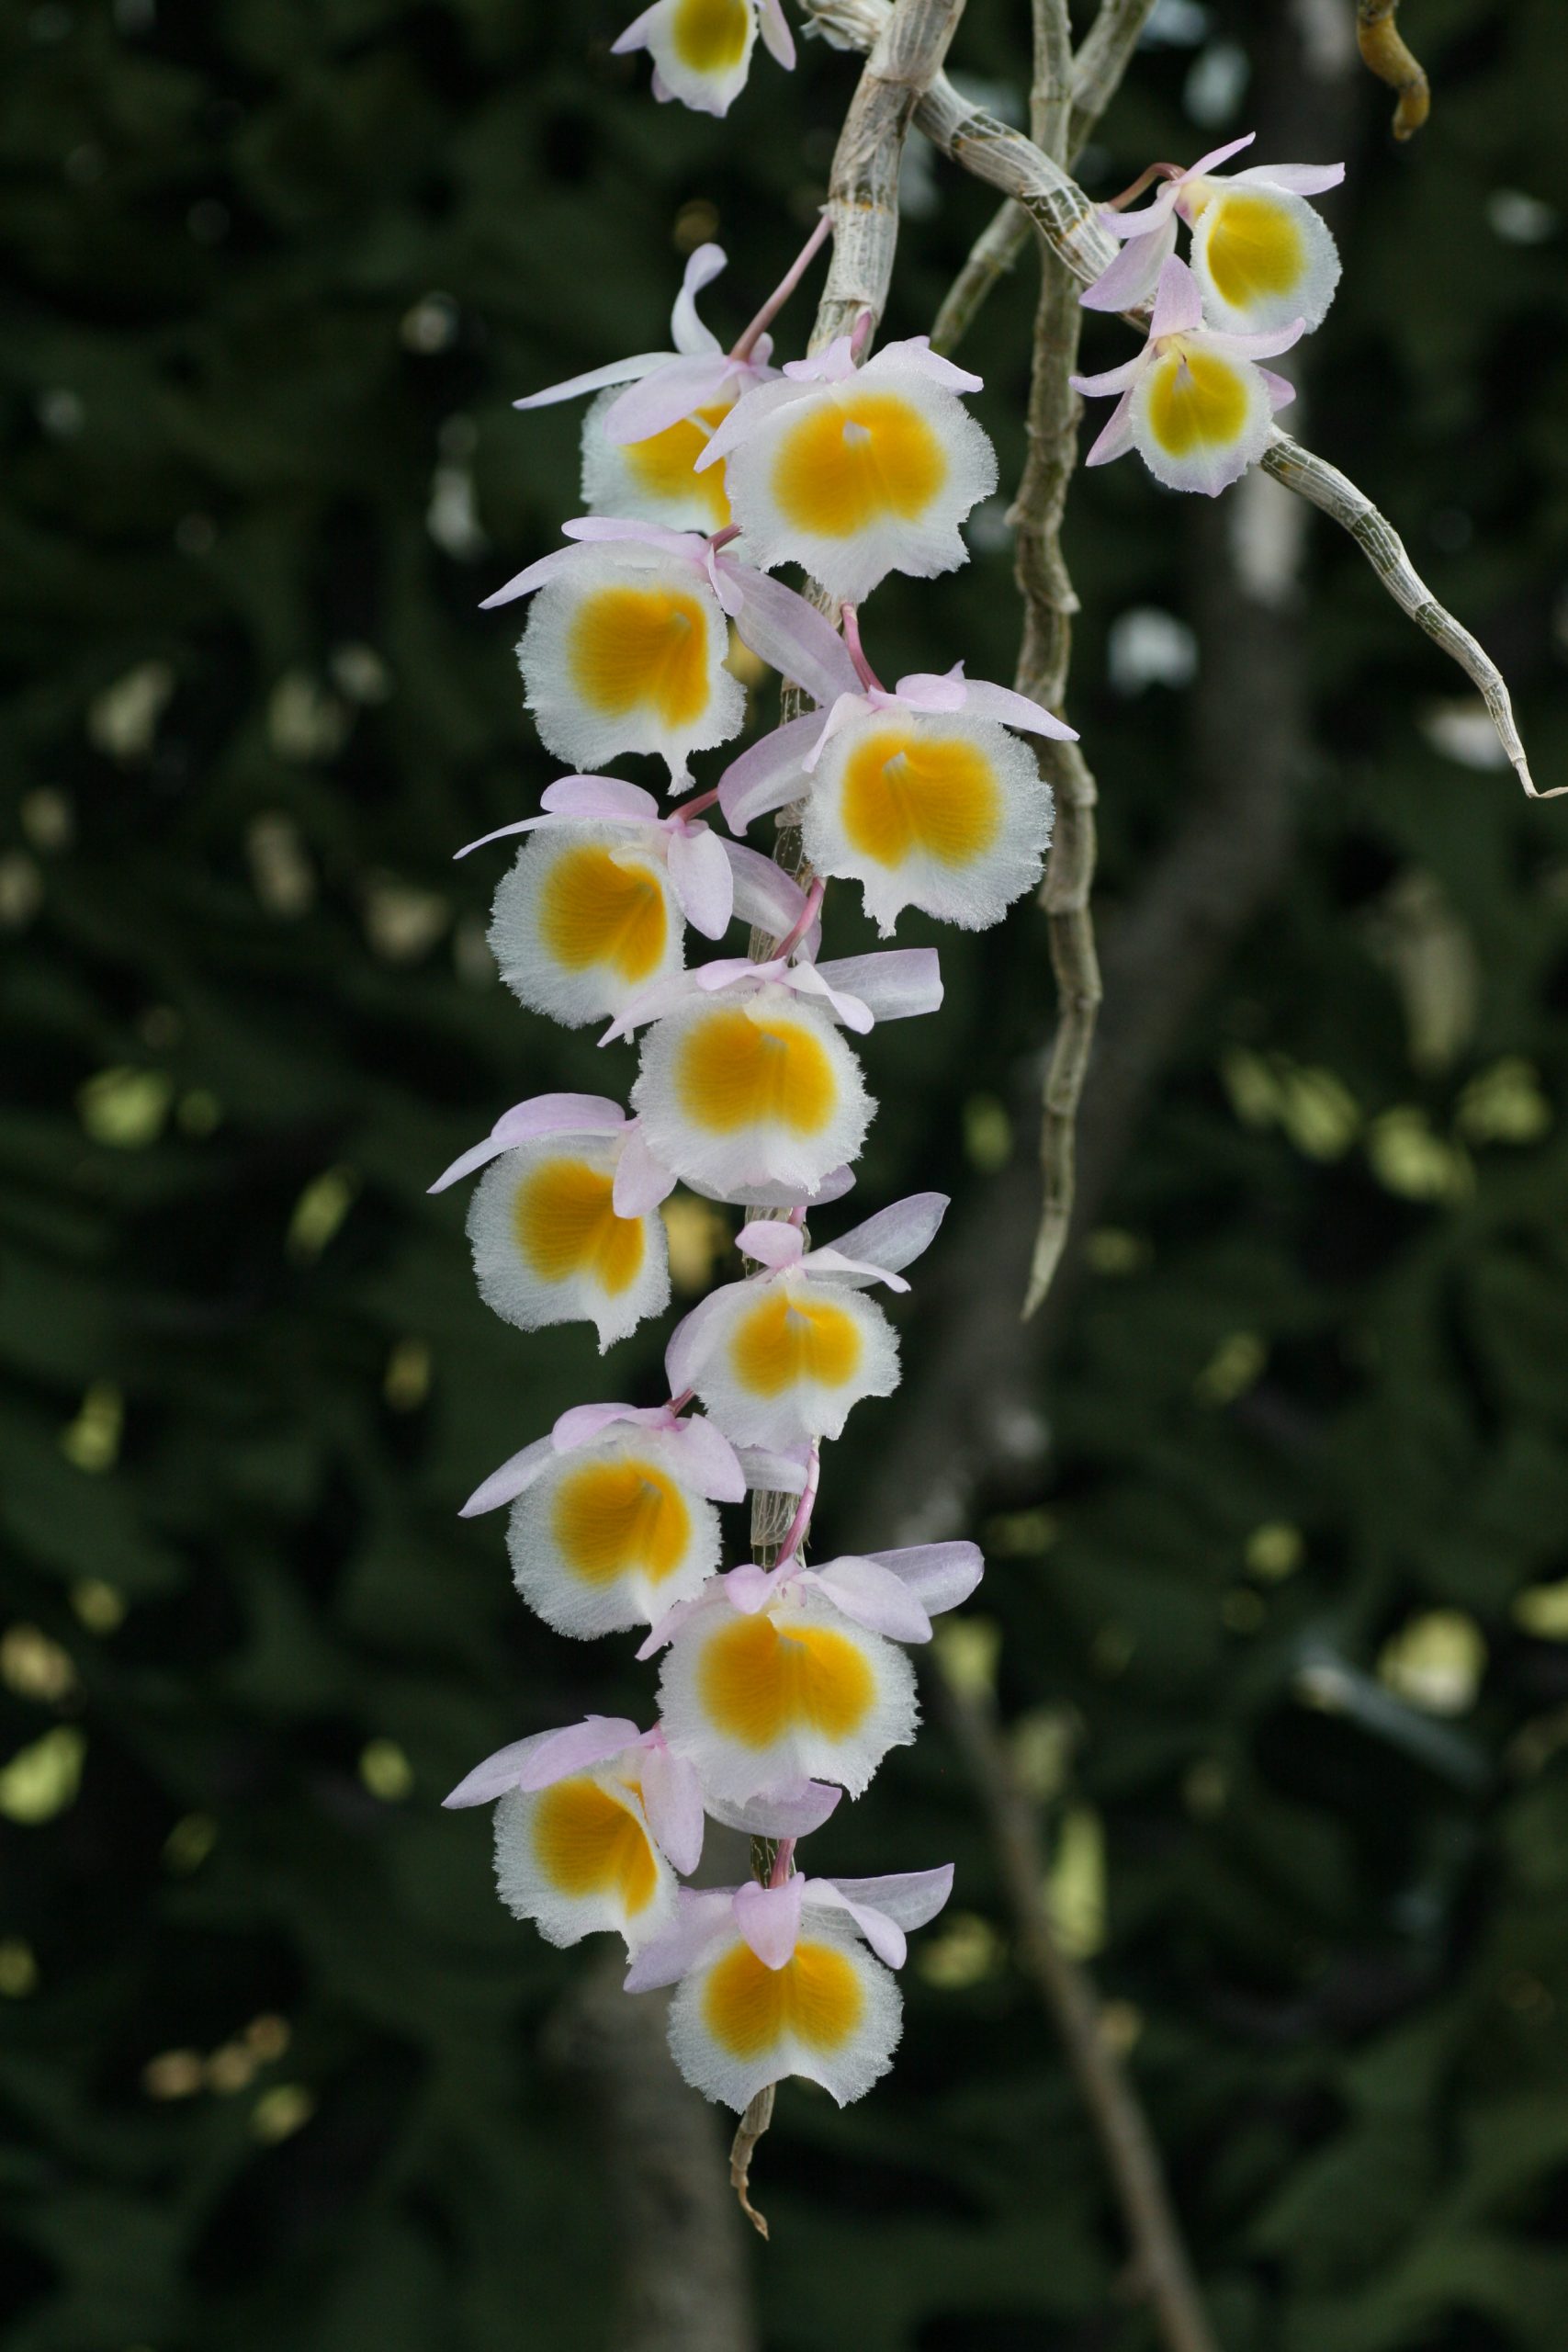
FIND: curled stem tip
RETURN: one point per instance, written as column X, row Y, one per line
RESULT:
column 1385, row 52
column 752, row 2125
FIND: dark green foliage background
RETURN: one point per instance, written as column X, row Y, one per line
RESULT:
column 1344, row 1931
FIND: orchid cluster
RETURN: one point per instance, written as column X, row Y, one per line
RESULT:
column 1196, row 402
column 782, row 1685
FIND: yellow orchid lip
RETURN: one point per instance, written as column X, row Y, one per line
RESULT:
column 761, row 1679
column 586, row 1842
column 815, row 1999
column 565, row 1224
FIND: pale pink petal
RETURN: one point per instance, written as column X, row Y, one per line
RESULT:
column 1218, row 156
column 523, row 583
column 662, row 399
column 595, row 379
column 1147, row 218
column 544, row 1114
column 780, row 1474
column 916, row 354
column 884, row 1935
column 501, row 833
column 1116, row 438
column 1178, row 306
column 1282, row 391
column 599, row 795
column 636, row 34
column 1114, row 380
column 939, row 1574
column 504, row 1485
column 672, row 1800
column 580, row 1424
column 871, row 1595
column 774, row 26
column 859, row 1274
column 791, row 636
column 749, row 1588
column 913, row 1898
column 703, row 881
column 650, row 1003
column 769, row 1920
column 690, row 544
column 702, row 1916
column 794, row 1809
column 664, row 1629
column 1267, row 345
column 1293, row 179
column 708, row 1461
column 987, row 701
column 933, row 690
column 683, row 1354
column 688, row 331
column 895, row 983
column 897, row 1235
column 806, row 979
column 846, row 709
column 833, row 366
column 764, row 894
column 726, row 971
column 575, row 1749
column 641, row 1181
column 1129, row 279
column 769, row 1242
column 497, row 1775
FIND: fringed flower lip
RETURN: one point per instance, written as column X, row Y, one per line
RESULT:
column 592, row 1824
column 624, row 649
column 713, row 879
column 793, row 1978
column 1194, row 402
column 701, row 48
column 747, row 1089
column 894, row 1593
column 782, row 1358
column 563, row 1222
column 777, row 770
column 854, row 473
column 1262, row 256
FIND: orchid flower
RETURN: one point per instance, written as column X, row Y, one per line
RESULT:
column 590, row 1826
column 592, row 909
column 1263, row 258
column 855, row 472
column 781, row 1980
column 782, row 1357
column 639, row 447
column 564, row 1222
column 920, row 796
column 613, row 1518
column 1195, row 404
column 625, row 645
column 746, row 1088
column 701, row 48
column 796, row 1672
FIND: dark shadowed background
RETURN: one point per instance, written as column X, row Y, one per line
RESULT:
column 1276, row 1613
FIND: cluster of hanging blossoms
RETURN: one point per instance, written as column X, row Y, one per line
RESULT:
column 1196, row 402
column 782, row 1685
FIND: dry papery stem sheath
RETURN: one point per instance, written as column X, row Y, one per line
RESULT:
column 1386, row 53
column 862, row 201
